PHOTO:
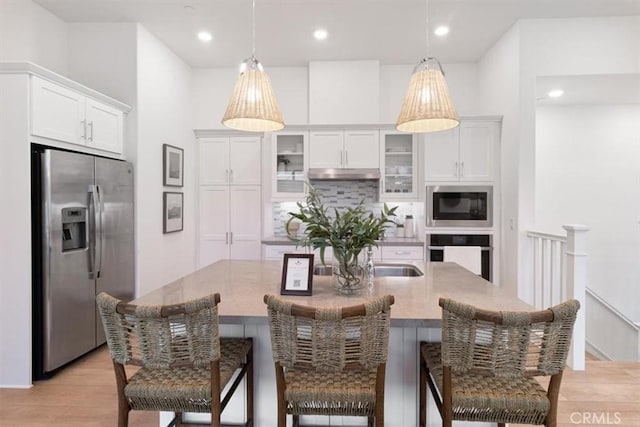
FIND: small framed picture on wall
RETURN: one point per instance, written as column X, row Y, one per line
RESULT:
column 173, row 167
column 173, row 210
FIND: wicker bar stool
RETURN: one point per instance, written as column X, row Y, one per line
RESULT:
column 184, row 364
column 485, row 367
column 330, row 361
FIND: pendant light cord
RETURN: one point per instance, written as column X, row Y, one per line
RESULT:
column 426, row 20
column 253, row 28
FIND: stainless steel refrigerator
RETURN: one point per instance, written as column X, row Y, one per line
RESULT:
column 83, row 244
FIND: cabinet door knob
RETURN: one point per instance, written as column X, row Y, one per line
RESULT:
column 84, row 129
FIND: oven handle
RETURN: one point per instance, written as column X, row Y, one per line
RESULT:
column 441, row 248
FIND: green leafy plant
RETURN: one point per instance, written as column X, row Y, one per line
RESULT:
column 347, row 232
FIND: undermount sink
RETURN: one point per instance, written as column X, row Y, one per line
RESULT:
column 379, row 270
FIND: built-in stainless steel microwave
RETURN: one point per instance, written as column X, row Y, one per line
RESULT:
column 459, row 206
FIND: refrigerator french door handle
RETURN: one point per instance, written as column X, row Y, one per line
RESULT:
column 92, row 231
column 101, row 217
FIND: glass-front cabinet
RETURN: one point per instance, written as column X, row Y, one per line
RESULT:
column 290, row 162
column 398, row 165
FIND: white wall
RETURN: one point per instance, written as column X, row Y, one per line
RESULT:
column 15, row 236
column 28, row 32
column 498, row 80
column 164, row 117
column 588, row 172
column 534, row 48
column 103, row 57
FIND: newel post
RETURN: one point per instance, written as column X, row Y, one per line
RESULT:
column 576, row 288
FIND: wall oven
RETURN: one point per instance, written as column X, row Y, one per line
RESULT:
column 437, row 243
column 459, row 206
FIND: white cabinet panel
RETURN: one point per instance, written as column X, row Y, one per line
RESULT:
column 245, row 160
column 214, row 224
column 477, row 151
column 244, row 222
column 57, row 112
column 234, row 160
column 230, row 219
column 326, row 149
column 361, row 149
column 466, row 153
column 344, row 149
column 441, row 156
column 104, row 126
column 63, row 114
column 402, row 253
column 214, row 161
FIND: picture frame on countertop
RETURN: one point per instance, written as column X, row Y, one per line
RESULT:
column 173, row 212
column 297, row 274
column 173, row 166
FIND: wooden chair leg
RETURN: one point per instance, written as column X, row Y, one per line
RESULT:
column 282, row 404
column 216, row 408
column 447, row 404
column 249, row 386
column 296, row 420
column 370, row 421
column 379, row 412
column 422, row 399
column 123, row 403
column 553, row 391
column 500, row 424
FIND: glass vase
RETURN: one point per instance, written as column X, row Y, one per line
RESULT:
column 348, row 273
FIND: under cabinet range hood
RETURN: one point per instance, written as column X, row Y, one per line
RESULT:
column 343, row 174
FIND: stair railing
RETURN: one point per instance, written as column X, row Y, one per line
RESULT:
column 560, row 273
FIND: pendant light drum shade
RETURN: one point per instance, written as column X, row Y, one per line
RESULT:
column 253, row 106
column 427, row 105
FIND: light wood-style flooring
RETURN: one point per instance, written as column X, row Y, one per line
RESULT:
column 606, row 393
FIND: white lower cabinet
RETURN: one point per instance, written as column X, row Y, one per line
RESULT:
column 276, row 252
column 402, row 253
column 230, row 218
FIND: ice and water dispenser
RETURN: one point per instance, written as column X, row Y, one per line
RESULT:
column 74, row 229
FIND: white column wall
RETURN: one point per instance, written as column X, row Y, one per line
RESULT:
column 587, row 172
column 164, row 117
column 498, row 79
column 545, row 47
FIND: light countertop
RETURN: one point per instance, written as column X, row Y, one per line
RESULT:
column 242, row 285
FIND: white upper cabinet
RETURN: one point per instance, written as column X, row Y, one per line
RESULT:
column 361, row 149
column 477, row 151
column 230, row 161
column 398, row 166
column 104, row 126
column 289, row 163
column 62, row 114
column 465, row 153
column 344, row 149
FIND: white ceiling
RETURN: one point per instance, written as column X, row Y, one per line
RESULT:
column 392, row 31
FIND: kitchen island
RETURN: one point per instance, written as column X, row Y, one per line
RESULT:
column 415, row 316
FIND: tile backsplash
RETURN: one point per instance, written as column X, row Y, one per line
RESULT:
column 342, row 194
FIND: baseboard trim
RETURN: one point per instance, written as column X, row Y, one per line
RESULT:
column 590, row 348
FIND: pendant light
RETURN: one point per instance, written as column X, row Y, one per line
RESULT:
column 427, row 105
column 253, row 106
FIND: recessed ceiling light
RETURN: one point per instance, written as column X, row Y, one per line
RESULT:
column 205, row 36
column 555, row 93
column 320, row 34
column 442, row 30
